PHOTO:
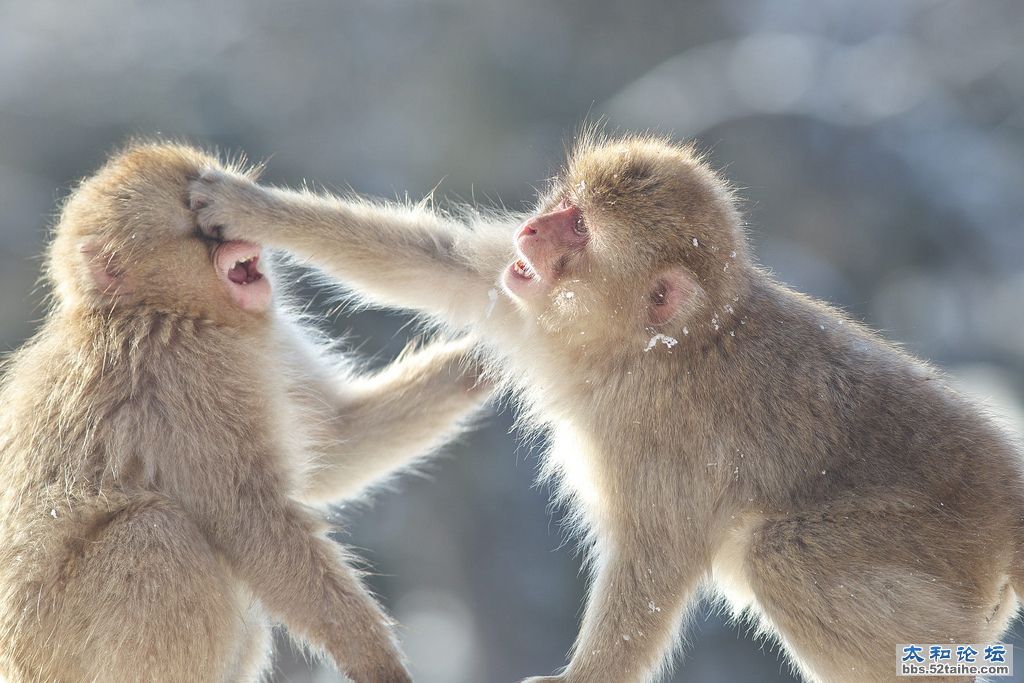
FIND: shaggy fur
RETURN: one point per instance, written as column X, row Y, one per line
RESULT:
column 708, row 424
column 163, row 453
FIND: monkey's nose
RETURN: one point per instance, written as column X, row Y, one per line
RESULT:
column 529, row 228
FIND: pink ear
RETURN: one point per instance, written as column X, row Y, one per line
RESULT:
column 101, row 268
column 671, row 290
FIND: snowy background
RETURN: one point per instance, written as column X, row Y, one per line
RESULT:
column 879, row 145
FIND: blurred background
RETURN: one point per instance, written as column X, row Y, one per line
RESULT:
column 879, row 146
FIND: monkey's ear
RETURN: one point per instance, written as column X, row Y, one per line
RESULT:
column 102, row 268
column 671, row 291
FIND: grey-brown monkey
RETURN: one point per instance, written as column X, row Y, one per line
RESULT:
column 709, row 425
column 166, row 439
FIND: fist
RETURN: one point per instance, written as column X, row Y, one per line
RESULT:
column 226, row 205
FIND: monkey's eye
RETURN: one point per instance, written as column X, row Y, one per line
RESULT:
column 580, row 226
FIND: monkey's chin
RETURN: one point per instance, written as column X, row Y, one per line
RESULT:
column 253, row 297
column 237, row 265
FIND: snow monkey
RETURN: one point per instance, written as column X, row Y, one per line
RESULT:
column 165, row 440
column 710, row 427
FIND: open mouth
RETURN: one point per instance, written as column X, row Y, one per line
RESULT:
column 237, row 264
column 522, row 269
column 245, row 271
column 521, row 280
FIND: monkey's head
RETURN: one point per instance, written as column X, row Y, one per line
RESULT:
column 126, row 239
column 636, row 235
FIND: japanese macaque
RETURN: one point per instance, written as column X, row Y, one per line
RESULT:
column 710, row 427
column 166, row 439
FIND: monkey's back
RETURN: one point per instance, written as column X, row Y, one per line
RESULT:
column 99, row 418
column 845, row 413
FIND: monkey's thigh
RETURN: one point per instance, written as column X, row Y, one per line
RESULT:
column 146, row 599
column 845, row 587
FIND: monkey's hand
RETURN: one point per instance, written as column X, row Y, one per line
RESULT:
column 230, row 206
column 465, row 366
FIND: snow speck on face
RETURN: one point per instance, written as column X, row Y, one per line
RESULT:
column 686, row 330
column 695, row 242
column 652, row 608
column 568, row 295
column 53, row 513
column 664, row 339
column 581, row 186
column 492, row 300
column 625, row 637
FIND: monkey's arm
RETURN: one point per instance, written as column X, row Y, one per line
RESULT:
column 633, row 612
column 278, row 548
column 395, row 255
column 367, row 427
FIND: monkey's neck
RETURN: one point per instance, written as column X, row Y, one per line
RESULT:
column 123, row 337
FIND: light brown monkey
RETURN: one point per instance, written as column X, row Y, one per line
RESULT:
column 709, row 425
column 165, row 440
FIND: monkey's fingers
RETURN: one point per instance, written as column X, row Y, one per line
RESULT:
column 201, row 190
column 221, row 202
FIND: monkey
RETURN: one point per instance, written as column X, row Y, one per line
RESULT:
column 170, row 440
column 712, row 431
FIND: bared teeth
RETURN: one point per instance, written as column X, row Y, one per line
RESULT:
column 520, row 268
column 244, row 271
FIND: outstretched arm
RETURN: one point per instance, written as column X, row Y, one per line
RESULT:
column 366, row 427
column 393, row 254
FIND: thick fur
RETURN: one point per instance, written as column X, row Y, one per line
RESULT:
column 834, row 488
column 163, row 454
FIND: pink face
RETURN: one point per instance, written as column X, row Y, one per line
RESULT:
column 546, row 243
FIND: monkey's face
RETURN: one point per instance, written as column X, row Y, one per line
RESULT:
column 552, row 246
column 634, row 235
column 127, row 238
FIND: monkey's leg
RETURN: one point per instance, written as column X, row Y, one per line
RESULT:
column 369, row 426
column 407, row 257
column 844, row 586
column 278, row 549
column 257, row 646
column 634, row 611
column 142, row 597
